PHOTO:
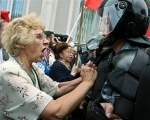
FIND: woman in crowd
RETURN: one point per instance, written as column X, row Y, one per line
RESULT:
column 44, row 63
column 50, row 38
column 25, row 91
column 61, row 69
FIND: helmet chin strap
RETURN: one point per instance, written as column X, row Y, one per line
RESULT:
column 108, row 41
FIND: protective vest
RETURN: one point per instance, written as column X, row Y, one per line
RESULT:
column 121, row 71
column 124, row 78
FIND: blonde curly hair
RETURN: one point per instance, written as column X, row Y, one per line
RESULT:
column 20, row 32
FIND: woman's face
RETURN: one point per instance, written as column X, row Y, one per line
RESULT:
column 67, row 55
column 34, row 51
column 47, row 42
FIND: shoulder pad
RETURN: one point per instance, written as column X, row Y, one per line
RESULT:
column 144, row 41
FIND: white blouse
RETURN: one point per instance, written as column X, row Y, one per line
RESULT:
column 19, row 98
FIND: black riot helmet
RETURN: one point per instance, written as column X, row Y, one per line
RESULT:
column 123, row 18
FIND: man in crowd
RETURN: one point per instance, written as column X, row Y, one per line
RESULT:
column 4, row 19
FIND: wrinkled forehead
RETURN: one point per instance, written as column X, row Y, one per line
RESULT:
column 38, row 31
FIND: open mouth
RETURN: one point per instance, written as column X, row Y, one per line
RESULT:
column 43, row 50
column 71, row 57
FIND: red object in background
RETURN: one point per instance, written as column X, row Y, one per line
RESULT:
column 148, row 31
column 5, row 15
column 93, row 4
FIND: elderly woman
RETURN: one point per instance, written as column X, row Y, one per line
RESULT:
column 25, row 91
column 61, row 69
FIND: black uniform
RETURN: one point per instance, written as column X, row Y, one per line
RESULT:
column 118, row 74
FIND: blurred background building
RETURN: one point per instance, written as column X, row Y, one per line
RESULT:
column 60, row 16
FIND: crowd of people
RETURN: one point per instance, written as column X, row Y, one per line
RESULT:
column 41, row 78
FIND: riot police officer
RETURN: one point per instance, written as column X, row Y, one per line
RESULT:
column 123, row 24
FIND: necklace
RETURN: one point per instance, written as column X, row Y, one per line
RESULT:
column 64, row 65
column 33, row 79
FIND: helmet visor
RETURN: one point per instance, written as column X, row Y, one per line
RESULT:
column 107, row 18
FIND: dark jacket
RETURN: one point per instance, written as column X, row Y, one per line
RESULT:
column 60, row 72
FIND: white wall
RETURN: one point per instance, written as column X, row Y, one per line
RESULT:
column 47, row 11
column 66, row 15
column 59, row 15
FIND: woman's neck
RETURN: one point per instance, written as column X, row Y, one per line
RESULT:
column 67, row 64
column 27, row 67
column 26, row 64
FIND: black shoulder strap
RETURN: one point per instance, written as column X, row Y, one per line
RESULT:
column 140, row 61
column 148, row 53
column 103, row 69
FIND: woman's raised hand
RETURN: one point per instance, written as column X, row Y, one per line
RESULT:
column 88, row 72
